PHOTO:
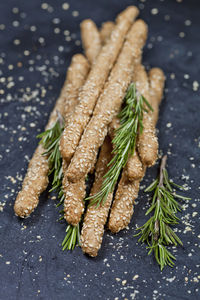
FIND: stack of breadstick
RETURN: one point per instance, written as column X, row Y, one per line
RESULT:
column 90, row 101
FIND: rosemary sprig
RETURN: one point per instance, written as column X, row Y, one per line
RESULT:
column 50, row 140
column 124, row 142
column 156, row 232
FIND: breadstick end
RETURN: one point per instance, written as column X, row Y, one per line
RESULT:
column 105, row 32
column 71, row 218
column 80, row 59
column 89, row 247
column 157, row 72
column 116, row 224
column 130, row 13
column 23, row 207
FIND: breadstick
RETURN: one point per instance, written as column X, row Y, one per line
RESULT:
column 147, row 141
column 75, row 192
column 94, row 83
column 76, row 74
column 122, row 208
column 91, row 39
column 36, row 179
column 108, row 104
column 105, row 31
column 157, row 80
column 95, row 218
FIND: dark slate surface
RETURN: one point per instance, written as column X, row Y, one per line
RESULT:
column 37, row 41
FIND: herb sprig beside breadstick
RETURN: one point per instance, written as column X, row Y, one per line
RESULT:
column 157, row 231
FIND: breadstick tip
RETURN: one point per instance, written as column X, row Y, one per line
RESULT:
column 87, row 22
column 141, row 26
column 129, row 13
column 79, row 58
column 157, row 72
column 25, row 203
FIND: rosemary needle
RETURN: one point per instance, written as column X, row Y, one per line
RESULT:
column 124, row 142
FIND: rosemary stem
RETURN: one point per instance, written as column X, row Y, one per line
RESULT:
column 162, row 167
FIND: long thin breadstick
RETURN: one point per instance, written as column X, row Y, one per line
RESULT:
column 156, row 79
column 36, row 179
column 105, row 31
column 109, row 103
column 95, row 218
column 94, row 83
column 91, row 39
column 147, row 141
column 77, row 73
column 122, row 208
column 75, row 192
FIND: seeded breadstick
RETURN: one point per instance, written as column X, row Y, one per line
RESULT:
column 94, row 83
column 122, row 208
column 95, row 218
column 147, row 141
column 75, row 192
column 77, row 78
column 105, row 31
column 91, row 39
column 76, row 75
column 157, row 80
column 36, row 179
column 108, row 104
